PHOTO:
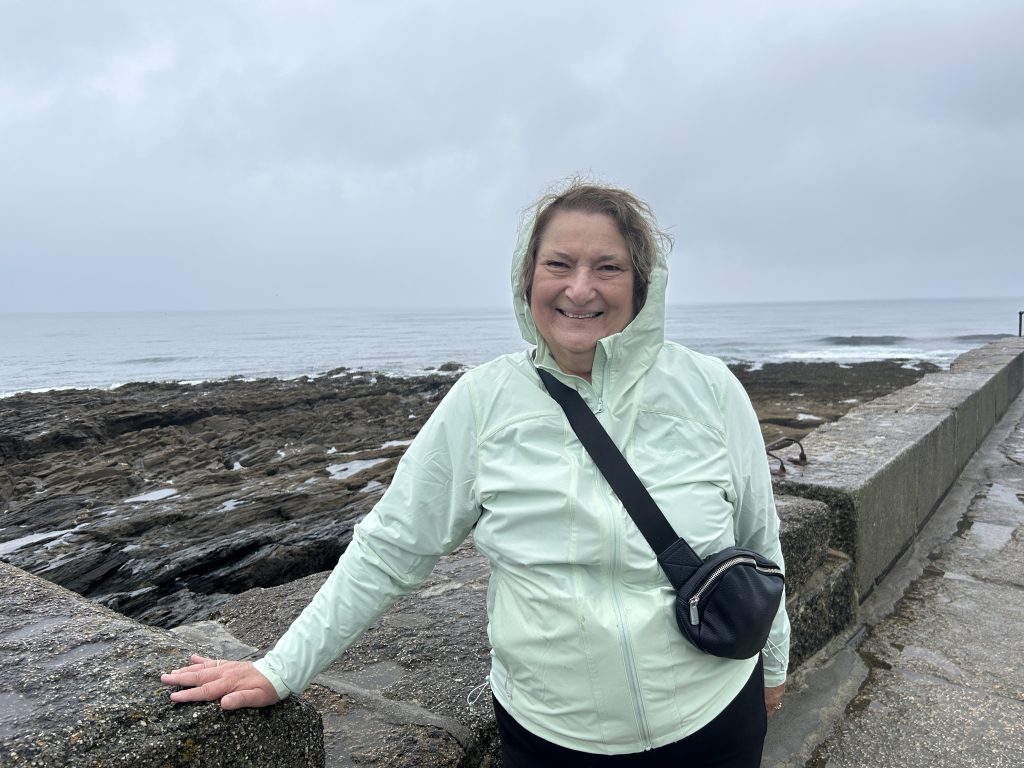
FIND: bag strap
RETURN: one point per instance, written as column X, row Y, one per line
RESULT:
column 617, row 471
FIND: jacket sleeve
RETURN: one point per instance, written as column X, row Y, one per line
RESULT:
column 427, row 511
column 756, row 521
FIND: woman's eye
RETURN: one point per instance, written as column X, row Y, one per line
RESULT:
column 556, row 265
column 612, row 268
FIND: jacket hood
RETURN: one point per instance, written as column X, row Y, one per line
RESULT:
column 629, row 352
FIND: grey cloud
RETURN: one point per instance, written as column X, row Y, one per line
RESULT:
column 375, row 153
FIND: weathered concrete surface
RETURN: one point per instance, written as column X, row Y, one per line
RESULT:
column 805, row 531
column 943, row 656
column 820, row 596
column 823, row 608
column 816, row 696
column 81, row 687
column 884, row 466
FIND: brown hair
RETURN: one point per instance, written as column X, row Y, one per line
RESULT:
column 633, row 216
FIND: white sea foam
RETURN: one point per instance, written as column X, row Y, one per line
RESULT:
column 396, row 443
column 808, row 417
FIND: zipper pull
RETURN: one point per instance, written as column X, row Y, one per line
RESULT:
column 694, row 618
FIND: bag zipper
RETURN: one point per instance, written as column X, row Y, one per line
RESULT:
column 694, row 616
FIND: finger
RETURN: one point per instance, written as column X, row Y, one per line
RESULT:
column 187, row 670
column 198, row 662
column 204, row 665
column 209, row 691
column 251, row 697
column 196, row 675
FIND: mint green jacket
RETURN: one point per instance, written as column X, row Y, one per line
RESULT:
column 585, row 649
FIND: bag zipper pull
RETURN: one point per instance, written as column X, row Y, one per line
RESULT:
column 694, row 618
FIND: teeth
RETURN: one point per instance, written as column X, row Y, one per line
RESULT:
column 575, row 316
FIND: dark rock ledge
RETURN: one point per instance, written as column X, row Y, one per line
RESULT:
column 159, row 500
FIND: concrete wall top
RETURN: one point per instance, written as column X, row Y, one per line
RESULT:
column 990, row 358
column 81, row 688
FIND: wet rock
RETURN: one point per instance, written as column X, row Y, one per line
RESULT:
column 792, row 399
column 160, row 500
column 81, row 688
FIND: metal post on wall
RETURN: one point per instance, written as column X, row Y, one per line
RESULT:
column 1020, row 323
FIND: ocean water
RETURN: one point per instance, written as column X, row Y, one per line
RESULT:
column 47, row 351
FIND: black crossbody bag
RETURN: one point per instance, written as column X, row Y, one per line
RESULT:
column 726, row 602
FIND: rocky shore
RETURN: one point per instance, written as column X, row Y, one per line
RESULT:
column 163, row 500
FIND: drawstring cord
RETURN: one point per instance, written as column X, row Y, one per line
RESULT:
column 775, row 650
column 476, row 693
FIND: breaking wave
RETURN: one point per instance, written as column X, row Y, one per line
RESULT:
column 983, row 338
column 864, row 341
column 153, row 360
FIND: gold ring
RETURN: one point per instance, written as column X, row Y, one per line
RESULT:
column 219, row 661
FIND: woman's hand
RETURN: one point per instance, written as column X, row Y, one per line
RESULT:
column 773, row 699
column 236, row 683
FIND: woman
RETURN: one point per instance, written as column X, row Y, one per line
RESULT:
column 588, row 666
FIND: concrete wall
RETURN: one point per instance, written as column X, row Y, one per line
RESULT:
column 884, row 466
column 80, row 687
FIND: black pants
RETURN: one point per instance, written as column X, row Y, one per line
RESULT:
column 734, row 739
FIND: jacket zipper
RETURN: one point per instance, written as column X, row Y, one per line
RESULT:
column 627, row 645
column 632, row 677
column 695, row 600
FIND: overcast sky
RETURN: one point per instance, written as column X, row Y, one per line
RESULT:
column 205, row 155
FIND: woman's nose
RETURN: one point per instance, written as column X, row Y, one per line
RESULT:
column 581, row 286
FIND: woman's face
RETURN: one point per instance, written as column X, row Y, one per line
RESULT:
column 582, row 287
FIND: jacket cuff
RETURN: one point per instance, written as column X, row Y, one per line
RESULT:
column 772, row 679
column 264, row 669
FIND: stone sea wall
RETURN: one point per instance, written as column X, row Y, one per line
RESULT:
column 884, row 467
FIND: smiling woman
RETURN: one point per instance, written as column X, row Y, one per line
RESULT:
column 587, row 659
